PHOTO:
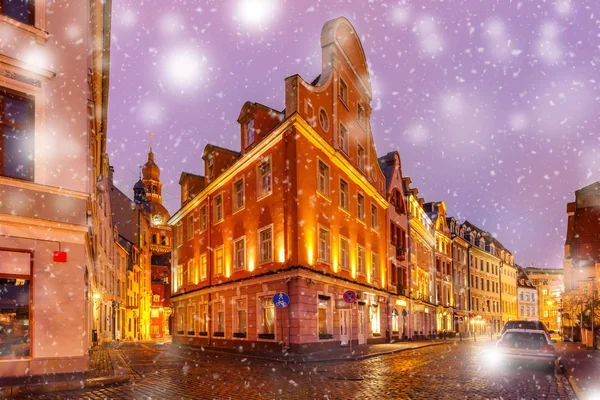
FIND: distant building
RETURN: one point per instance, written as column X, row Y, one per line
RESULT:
column 550, row 287
column 527, row 300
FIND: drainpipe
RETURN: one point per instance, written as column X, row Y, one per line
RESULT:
column 209, row 262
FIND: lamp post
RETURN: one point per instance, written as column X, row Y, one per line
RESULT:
column 593, row 279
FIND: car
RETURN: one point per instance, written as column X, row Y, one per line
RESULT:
column 554, row 335
column 532, row 345
column 523, row 324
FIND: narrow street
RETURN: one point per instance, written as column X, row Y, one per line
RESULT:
column 453, row 371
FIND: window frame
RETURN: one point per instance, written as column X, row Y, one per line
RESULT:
column 344, row 139
column 28, row 127
column 344, row 194
column 345, row 257
column 31, row 6
column 375, row 268
column 235, row 206
column 361, row 271
column 241, row 239
column 216, row 209
column 219, row 250
column 326, row 178
column 360, row 163
column 261, row 259
column 327, row 248
column 261, row 193
column 374, row 217
column 236, row 316
column 250, row 128
column 360, row 207
column 203, row 267
column 203, row 218
column 360, row 117
column 190, row 227
column 343, row 92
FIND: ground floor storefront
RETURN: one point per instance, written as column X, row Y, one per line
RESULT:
column 44, row 303
column 244, row 315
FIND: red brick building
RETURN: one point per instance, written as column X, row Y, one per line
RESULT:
column 301, row 209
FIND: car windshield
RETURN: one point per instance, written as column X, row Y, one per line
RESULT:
column 525, row 339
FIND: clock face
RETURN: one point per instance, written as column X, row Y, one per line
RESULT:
column 157, row 219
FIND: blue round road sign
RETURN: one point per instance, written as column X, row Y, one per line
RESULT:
column 349, row 296
column 281, row 300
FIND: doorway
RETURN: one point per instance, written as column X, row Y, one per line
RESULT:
column 344, row 326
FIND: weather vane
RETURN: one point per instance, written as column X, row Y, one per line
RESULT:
column 151, row 135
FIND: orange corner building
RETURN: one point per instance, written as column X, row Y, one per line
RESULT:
column 301, row 209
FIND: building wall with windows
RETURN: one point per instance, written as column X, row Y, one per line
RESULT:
column 398, row 249
column 45, row 106
column 421, row 241
column 305, row 197
column 527, row 299
column 460, row 276
column 550, row 287
column 508, row 283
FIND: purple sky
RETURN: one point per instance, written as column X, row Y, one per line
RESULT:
column 491, row 104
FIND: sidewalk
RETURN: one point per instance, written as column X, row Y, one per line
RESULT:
column 582, row 368
column 357, row 353
column 106, row 368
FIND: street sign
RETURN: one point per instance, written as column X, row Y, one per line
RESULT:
column 349, row 296
column 281, row 300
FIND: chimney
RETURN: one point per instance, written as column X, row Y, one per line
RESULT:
column 111, row 171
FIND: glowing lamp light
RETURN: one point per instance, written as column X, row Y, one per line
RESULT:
column 310, row 256
column 96, row 296
column 255, row 13
column 281, row 255
column 401, row 302
column 251, row 265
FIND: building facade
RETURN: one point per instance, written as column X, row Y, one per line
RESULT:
column 421, row 245
column 443, row 267
column 527, row 301
column 398, row 252
column 52, row 137
column 581, row 263
column 550, row 287
column 508, row 285
column 460, row 277
column 301, row 209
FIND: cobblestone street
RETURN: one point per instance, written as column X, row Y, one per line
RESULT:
column 451, row 371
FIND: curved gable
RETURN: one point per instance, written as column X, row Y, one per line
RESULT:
column 342, row 34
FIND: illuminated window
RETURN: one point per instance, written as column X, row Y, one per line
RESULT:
column 219, row 261
column 15, row 290
column 203, row 266
column 344, row 196
column 204, row 318
column 264, row 178
column 265, row 240
column 324, row 245
column 375, row 322
column 180, row 276
column 344, row 253
column 267, row 316
column 156, row 298
column 238, row 194
column 218, row 208
column 154, row 313
column 360, row 260
column 323, row 178
column 323, row 317
column 375, row 266
column 239, row 253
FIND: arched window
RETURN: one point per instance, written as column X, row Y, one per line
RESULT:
column 156, row 298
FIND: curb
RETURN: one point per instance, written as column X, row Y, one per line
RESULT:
column 572, row 381
column 291, row 361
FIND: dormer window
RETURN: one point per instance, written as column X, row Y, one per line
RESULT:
column 249, row 132
column 210, row 167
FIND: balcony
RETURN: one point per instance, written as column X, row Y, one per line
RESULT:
column 400, row 253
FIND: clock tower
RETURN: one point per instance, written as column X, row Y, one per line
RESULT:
column 161, row 231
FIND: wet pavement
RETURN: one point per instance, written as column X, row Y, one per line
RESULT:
column 448, row 371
